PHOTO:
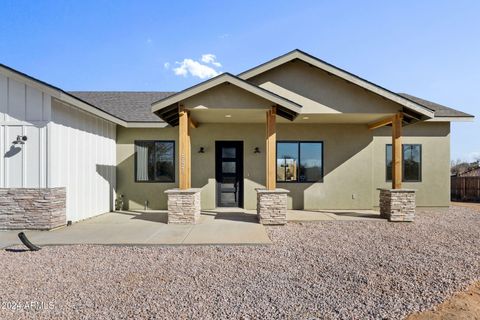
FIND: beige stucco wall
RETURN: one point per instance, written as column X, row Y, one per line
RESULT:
column 434, row 189
column 354, row 164
column 203, row 164
column 136, row 193
column 319, row 92
column 226, row 96
column 347, row 167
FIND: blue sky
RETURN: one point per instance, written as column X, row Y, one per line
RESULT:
column 427, row 48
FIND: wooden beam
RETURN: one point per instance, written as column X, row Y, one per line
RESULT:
column 184, row 173
column 188, row 169
column 271, row 154
column 380, row 123
column 397, row 151
column 192, row 123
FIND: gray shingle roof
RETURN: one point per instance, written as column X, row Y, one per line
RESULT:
column 126, row 105
column 440, row 110
column 134, row 106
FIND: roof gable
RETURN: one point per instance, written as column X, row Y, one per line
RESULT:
column 330, row 69
column 166, row 108
column 58, row 94
column 321, row 93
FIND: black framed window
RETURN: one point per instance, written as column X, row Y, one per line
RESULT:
column 411, row 164
column 299, row 161
column 154, row 161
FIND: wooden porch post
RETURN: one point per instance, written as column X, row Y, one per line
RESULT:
column 184, row 168
column 397, row 151
column 271, row 152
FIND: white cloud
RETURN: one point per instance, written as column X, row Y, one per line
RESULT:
column 149, row 41
column 197, row 69
column 212, row 59
column 166, row 65
column 194, row 68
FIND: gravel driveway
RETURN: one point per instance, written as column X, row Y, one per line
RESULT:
column 327, row 270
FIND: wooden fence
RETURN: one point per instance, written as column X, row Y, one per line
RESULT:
column 465, row 189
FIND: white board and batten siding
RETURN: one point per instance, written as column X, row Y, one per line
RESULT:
column 66, row 147
column 24, row 111
column 82, row 158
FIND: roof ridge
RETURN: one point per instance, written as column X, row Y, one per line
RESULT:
column 117, row 91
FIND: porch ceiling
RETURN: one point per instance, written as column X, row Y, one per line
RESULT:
column 258, row 116
column 229, row 115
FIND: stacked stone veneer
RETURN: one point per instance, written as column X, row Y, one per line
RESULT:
column 183, row 206
column 397, row 204
column 272, row 206
column 32, row 208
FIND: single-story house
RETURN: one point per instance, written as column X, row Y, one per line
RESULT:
column 293, row 133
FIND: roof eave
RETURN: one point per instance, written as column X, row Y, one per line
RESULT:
column 453, row 119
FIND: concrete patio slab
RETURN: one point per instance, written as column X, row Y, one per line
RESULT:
column 328, row 215
column 150, row 228
column 232, row 226
column 219, row 226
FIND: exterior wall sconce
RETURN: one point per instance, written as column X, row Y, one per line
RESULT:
column 20, row 140
column 202, row 150
column 256, row 150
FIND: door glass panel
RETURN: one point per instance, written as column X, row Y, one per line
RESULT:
column 228, row 174
column 228, row 152
column 228, row 198
column 228, row 167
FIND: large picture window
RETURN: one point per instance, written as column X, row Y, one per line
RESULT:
column 299, row 161
column 154, row 161
column 411, row 165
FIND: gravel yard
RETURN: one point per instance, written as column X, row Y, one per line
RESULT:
column 327, row 270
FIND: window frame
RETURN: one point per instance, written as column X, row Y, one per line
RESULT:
column 299, row 142
column 403, row 159
column 154, row 181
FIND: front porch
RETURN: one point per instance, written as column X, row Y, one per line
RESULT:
column 288, row 143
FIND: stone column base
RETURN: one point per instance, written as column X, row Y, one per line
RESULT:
column 397, row 204
column 183, row 206
column 272, row 206
column 32, row 208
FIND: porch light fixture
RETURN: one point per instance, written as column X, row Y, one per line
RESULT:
column 305, row 118
column 20, row 140
column 256, row 150
column 202, row 150
column 228, row 116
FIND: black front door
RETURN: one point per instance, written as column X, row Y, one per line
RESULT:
column 229, row 173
